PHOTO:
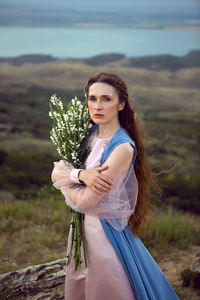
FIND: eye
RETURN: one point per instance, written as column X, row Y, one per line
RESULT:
column 91, row 98
column 107, row 98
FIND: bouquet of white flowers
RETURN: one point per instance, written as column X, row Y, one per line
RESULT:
column 69, row 133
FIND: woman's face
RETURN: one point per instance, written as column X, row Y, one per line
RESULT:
column 103, row 103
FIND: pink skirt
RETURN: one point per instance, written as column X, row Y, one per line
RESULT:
column 105, row 277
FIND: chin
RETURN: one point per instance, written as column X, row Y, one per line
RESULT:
column 98, row 121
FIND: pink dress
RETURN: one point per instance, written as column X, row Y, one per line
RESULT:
column 105, row 277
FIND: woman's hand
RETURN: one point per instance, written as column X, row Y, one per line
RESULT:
column 94, row 179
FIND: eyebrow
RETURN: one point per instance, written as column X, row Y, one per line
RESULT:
column 101, row 95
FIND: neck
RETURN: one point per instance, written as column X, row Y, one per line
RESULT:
column 106, row 130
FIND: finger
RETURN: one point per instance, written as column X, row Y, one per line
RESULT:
column 97, row 190
column 102, row 188
column 102, row 168
column 106, row 180
column 105, row 184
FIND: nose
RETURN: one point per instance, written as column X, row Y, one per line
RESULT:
column 98, row 104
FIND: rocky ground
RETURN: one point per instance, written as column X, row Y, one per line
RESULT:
column 46, row 281
column 173, row 264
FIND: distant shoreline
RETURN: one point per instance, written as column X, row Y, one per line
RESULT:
column 139, row 26
column 184, row 27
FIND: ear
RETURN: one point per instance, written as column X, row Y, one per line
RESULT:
column 121, row 106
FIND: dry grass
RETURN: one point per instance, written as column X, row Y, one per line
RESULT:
column 35, row 231
column 19, row 142
column 71, row 74
column 32, row 232
column 169, row 228
column 164, row 88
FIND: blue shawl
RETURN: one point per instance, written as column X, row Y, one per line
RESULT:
column 145, row 276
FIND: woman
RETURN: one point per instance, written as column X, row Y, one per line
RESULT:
column 115, row 200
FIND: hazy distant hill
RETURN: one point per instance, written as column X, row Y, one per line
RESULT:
column 57, row 13
column 157, row 62
column 170, row 62
column 22, row 59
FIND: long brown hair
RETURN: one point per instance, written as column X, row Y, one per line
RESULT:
column 130, row 122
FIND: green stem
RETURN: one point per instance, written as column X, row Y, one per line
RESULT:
column 78, row 253
column 83, row 239
column 72, row 239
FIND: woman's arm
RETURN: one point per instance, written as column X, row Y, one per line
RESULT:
column 96, row 180
column 93, row 178
column 83, row 198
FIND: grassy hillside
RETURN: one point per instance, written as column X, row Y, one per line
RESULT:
column 167, row 101
column 33, row 216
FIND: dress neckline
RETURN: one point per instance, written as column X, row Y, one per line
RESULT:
column 103, row 139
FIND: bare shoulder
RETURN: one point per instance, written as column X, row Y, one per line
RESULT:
column 125, row 149
column 119, row 160
column 123, row 152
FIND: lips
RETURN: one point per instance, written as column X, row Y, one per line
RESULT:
column 98, row 115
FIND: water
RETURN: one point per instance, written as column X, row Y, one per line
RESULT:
column 87, row 42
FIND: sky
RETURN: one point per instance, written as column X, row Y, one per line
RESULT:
column 102, row 3
column 147, row 6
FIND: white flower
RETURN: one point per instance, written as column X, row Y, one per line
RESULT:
column 73, row 128
column 79, row 103
column 74, row 155
column 51, row 137
column 54, row 99
column 71, row 142
column 50, row 115
column 85, row 115
column 57, row 115
column 65, row 117
column 70, row 127
column 59, row 152
column 60, row 104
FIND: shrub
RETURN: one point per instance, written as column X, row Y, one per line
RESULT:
column 182, row 190
column 167, row 229
column 190, row 278
column 24, row 172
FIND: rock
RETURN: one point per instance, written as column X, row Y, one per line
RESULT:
column 195, row 266
column 191, row 277
column 40, row 282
